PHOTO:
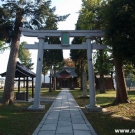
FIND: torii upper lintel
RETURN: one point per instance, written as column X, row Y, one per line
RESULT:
column 57, row 33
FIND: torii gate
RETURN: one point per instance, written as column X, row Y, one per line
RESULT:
column 64, row 34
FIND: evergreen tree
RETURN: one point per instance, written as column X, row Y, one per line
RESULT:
column 15, row 14
column 91, row 17
column 80, row 59
column 25, row 56
column 45, row 69
column 3, row 46
column 119, row 23
column 53, row 58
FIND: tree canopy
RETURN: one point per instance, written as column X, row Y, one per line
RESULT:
column 117, row 18
column 15, row 14
column 120, row 27
column 25, row 56
column 3, row 46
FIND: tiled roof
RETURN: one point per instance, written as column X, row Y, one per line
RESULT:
column 21, row 71
column 69, row 72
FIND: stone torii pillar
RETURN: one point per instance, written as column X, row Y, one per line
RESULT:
column 92, row 106
column 38, row 77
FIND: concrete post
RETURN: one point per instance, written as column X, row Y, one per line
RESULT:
column 91, row 106
column 90, row 72
column 37, row 105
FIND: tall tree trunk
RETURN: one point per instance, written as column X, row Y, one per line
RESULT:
column 121, row 93
column 8, row 95
column 102, row 80
column 44, row 76
column 54, row 79
column 102, row 83
column 82, row 70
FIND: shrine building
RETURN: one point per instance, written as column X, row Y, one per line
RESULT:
column 66, row 78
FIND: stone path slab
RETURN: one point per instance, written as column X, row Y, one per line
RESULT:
column 64, row 118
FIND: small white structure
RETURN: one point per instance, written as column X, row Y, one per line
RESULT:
column 64, row 34
column 2, row 82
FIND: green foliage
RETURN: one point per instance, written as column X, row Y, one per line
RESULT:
column 27, row 14
column 90, row 16
column 34, row 15
column 129, row 71
column 128, row 68
column 92, row 13
column 45, row 69
column 52, row 57
column 25, row 56
column 5, row 24
column 119, row 23
column 3, row 46
column 79, row 56
column 107, row 64
column 23, row 53
column 119, row 27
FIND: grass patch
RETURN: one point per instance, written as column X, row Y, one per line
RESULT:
column 17, row 120
column 121, row 116
column 44, row 92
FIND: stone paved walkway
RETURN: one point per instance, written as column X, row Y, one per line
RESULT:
column 64, row 118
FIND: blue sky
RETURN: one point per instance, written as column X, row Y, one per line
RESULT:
column 62, row 7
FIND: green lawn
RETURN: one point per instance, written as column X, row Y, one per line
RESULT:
column 44, row 92
column 121, row 116
column 17, row 120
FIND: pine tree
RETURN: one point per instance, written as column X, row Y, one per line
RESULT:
column 15, row 14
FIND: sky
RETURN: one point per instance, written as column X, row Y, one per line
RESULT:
column 63, row 7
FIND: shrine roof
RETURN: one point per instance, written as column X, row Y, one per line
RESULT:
column 21, row 71
column 66, row 72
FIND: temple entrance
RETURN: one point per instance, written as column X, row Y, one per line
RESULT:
column 66, row 78
column 64, row 35
column 65, row 83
